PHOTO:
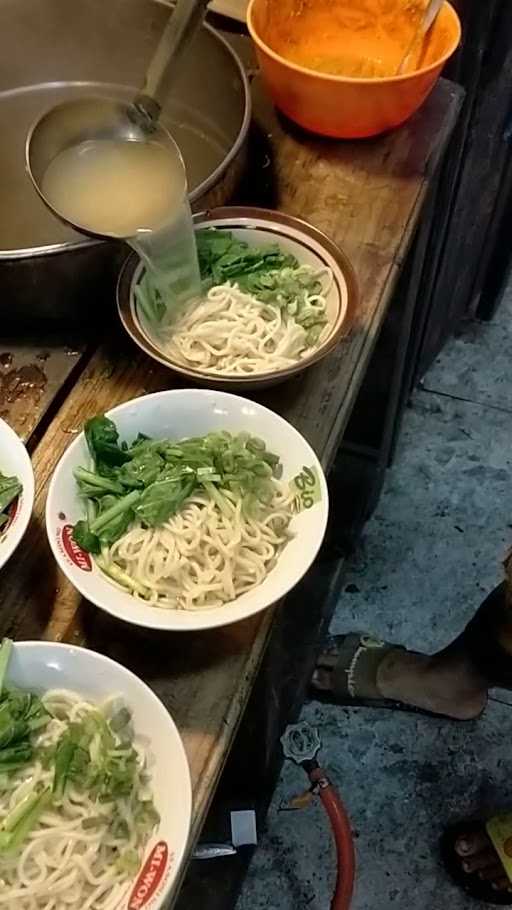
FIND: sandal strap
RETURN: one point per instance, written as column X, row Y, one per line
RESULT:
column 359, row 657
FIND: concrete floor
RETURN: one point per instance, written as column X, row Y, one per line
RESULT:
column 429, row 555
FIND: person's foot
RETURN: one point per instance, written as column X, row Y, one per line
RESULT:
column 478, row 855
column 474, row 855
column 444, row 684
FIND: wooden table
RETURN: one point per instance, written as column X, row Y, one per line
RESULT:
column 368, row 197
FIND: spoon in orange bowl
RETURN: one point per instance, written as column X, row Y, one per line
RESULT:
column 426, row 22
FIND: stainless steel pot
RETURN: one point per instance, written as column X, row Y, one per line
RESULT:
column 50, row 50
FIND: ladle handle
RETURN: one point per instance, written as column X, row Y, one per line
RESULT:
column 183, row 23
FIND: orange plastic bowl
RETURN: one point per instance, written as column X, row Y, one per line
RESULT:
column 300, row 42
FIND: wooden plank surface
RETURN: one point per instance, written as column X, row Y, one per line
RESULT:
column 368, row 197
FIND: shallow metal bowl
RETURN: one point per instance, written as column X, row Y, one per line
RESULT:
column 309, row 245
column 47, row 270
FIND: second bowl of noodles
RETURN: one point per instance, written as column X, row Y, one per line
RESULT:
column 277, row 297
column 95, row 798
column 187, row 509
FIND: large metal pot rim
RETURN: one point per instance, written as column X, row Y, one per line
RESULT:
column 198, row 193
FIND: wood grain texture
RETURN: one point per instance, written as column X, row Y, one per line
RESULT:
column 368, row 198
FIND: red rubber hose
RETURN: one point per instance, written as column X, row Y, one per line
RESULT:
column 343, row 839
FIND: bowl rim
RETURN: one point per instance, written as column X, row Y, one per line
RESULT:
column 187, row 793
column 206, row 619
column 275, row 219
column 15, row 536
column 357, row 80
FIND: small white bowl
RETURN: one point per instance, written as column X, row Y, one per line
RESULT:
column 15, row 461
column 177, row 414
column 258, row 227
column 39, row 666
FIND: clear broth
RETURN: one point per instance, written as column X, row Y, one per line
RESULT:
column 136, row 191
column 115, row 188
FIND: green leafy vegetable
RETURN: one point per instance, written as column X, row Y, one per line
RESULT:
column 23, row 820
column 120, row 721
column 114, row 516
column 143, row 469
column 102, row 439
column 150, row 300
column 224, row 258
column 94, row 485
column 10, row 489
column 21, row 714
column 5, row 656
column 273, row 277
column 15, row 757
column 93, row 755
column 83, row 536
column 128, row 863
column 163, row 498
column 63, row 759
column 157, row 476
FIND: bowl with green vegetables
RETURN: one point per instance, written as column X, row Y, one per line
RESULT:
column 95, row 792
column 186, row 509
column 16, row 491
column 276, row 296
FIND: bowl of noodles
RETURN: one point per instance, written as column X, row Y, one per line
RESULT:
column 16, row 491
column 186, row 509
column 95, row 794
column 277, row 296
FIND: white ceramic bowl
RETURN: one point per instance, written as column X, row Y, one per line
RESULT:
column 39, row 666
column 257, row 227
column 15, row 461
column 177, row 414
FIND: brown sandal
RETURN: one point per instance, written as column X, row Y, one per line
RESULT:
column 354, row 660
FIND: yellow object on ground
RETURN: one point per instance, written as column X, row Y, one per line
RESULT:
column 499, row 830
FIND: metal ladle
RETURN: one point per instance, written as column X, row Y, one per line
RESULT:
column 73, row 122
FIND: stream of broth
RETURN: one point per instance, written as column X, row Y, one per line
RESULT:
column 131, row 190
